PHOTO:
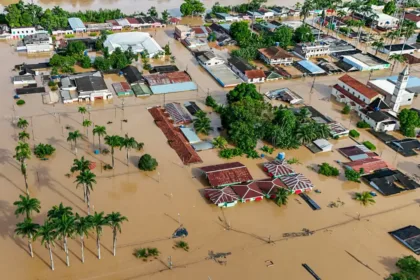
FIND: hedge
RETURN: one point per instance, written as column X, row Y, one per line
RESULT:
column 362, row 124
column 369, row 145
column 353, row 133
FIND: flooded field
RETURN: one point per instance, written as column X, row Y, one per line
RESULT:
column 349, row 242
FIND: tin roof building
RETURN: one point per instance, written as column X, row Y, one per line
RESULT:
column 225, row 197
column 138, row 41
column 297, row 183
column 227, row 174
column 278, row 168
column 77, row 25
column 248, row 192
column 170, row 82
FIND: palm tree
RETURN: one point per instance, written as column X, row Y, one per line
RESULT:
column 27, row 229
column 322, row 130
column 306, row 134
column 82, row 110
column 202, row 123
column 98, row 222
column 397, row 58
column 22, row 123
column 73, row 136
column 80, row 165
column 282, row 196
column 128, row 143
column 392, row 35
column 378, row 44
column 87, row 179
column 365, row 198
column 219, row 142
column 23, row 136
column 409, row 28
column 100, row 131
column 26, row 205
column 87, row 123
column 113, row 141
column 22, row 153
column 304, row 115
column 48, row 235
column 114, row 221
column 82, row 227
column 65, row 226
column 307, row 7
column 59, row 211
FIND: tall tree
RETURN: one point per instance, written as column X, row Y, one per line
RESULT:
column 80, row 165
column 23, row 136
column 113, row 141
column 87, row 124
column 202, row 123
column 165, row 16
column 397, row 58
column 152, row 12
column 82, row 110
column 114, row 221
column 22, row 153
column 48, row 235
column 306, row 133
column 98, row 222
column 87, row 179
column 82, row 227
column 378, row 45
column 282, row 196
column 128, row 143
column 390, row 8
column 65, row 226
column 26, row 205
column 100, row 131
column 72, row 138
column 59, row 211
column 27, row 229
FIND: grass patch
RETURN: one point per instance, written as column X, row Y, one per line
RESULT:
column 293, row 161
column 267, row 149
column 182, row 245
column 67, row 36
column 362, row 124
column 145, row 253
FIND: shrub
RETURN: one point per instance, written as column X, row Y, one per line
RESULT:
column 293, row 161
column 54, row 88
column 230, row 153
column 147, row 163
column 43, row 150
column 93, row 34
column 210, row 101
column 362, row 124
column 267, row 149
column 352, row 175
column 369, row 145
column 68, row 36
column 346, row 110
column 252, row 154
column 182, row 245
column 353, row 133
column 328, row 170
column 144, row 253
column 51, row 83
column 20, row 102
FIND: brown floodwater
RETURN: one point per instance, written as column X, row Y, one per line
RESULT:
column 155, row 202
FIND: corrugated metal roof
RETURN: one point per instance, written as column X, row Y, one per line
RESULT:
column 190, row 134
column 180, row 87
column 76, row 23
column 311, row 67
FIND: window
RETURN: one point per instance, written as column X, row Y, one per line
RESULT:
column 409, row 99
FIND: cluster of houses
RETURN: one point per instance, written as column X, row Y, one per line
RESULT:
column 232, row 182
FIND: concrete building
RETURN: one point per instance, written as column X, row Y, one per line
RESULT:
column 21, row 32
column 76, row 24
column 183, row 31
column 98, row 26
column 24, row 80
column 308, row 50
column 276, row 56
column 208, row 58
column 138, row 41
column 246, row 71
column 35, row 43
column 398, row 49
column 379, row 120
column 170, row 82
column 115, row 25
column 365, row 62
column 227, row 17
column 395, row 94
column 5, row 32
column 67, row 31
column 92, row 88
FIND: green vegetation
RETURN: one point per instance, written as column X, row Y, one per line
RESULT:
column 219, row 142
column 192, row 8
column 362, row 124
column 144, row 253
column 211, row 102
column 23, row 153
column 409, row 269
column 130, row 143
column 409, row 120
column 390, row 8
column 43, row 150
column 114, row 141
column 364, row 198
column 346, row 110
column 293, row 160
column 22, row 123
column 369, row 145
column 353, row 175
column 26, row 205
column 182, row 245
column 202, row 123
column 93, row 34
column 282, row 196
column 147, row 163
column 328, row 170
column 267, row 149
column 354, row 133
column 20, row 102
column 152, row 12
column 230, row 153
column 303, row 34
column 167, row 49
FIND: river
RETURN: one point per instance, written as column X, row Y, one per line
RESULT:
column 129, row 6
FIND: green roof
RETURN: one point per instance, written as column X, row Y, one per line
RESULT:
column 141, row 89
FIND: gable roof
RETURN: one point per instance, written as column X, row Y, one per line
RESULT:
column 227, row 173
column 255, row 74
column 90, row 83
column 248, row 190
column 225, row 195
column 132, row 74
column 349, row 95
column 368, row 164
column 270, row 186
column 278, row 168
column 240, row 64
column 177, row 113
column 275, row 52
column 358, row 86
column 297, row 182
column 378, row 103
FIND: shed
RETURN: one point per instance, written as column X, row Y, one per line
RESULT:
column 248, row 192
column 190, row 134
column 323, row 144
column 270, row 186
column 409, row 236
column 310, row 67
column 227, row 174
column 122, row 88
column 278, row 168
column 297, row 183
column 177, row 113
column 225, row 197
column 141, row 90
column 192, row 107
column 202, row 146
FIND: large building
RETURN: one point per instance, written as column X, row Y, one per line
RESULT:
column 76, row 24
column 21, row 32
column 365, row 62
column 246, row 71
column 38, row 42
column 308, row 50
column 138, row 41
column 276, row 56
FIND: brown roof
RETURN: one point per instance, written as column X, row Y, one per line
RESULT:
column 255, row 74
column 225, row 195
column 278, row 168
column 132, row 20
column 227, row 173
column 349, row 95
column 411, row 59
column 297, row 182
column 412, row 17
column 368, row 164
column 360, row 87
column 270, row 186
column 248, row 190
column 275, row 53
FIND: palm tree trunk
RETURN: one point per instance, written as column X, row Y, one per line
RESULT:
column 98, row 245
column 112, row 154
column 31, row 252
column 114, row 249
column 82, row 244
column 84, row 192
column 127, row 155
column 51, row 256
column 26, row 183
column 99, row 136
column 88, row 201
column 67, row 251
column 75, row 146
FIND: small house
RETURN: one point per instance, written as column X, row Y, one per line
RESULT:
column 276, row 56
column 224, row 197
column 270, row 186
column 323, row 145
column 122, row 89
column 246, row 71
column 24, row 80
column 248, row 192
column 208, row 58
column 227, row 174
column 297, row 183
column 77, row 25
column 278, row 168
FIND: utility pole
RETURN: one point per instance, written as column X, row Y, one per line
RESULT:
column 179, row 219
column 170, row 262
column 32, row 126
column 370, row 75
column 311, row 91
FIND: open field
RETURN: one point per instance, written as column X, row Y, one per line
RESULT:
column 154, row 202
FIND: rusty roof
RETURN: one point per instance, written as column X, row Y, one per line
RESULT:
column 368, row 164
column 275, row 52
column 270, row 186
column 255, row 74
column 132, row 21
column 358, row 86
column 167, row 78
column 227, row 173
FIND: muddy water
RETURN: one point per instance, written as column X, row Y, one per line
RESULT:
column 156, row 202
column 129, row 6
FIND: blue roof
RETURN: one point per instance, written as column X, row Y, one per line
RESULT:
column 178, row 87
column 311, row 67
column 412, row 81
column 226, row 26
column 76, row 23
column 190, row 134
column 201, row 146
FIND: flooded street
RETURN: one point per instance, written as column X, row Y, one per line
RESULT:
column 155, row 202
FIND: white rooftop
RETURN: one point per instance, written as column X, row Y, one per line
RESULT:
column 385, row 17
column 138, row 41
column 386, row 86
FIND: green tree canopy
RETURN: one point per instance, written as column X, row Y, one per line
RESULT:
column 244, row 91
column 303, row 34
column 390, row 8
column 409, row 120
column 241, row 33
column 147, row 163
column 192, row 7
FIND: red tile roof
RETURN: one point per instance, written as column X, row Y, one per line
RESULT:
column 275, row 52
column 350, row 96
column 175, row 138
column 217, row 196
column 132, row 20
column 278, row 168
column 174, row 20
column 297, row 182
column 411, row 59
column 412, row 17
column 227, row 173
column 255, row 74
column 368, row 164
column 270, row 186
column 358, row 86
column 248, row 191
